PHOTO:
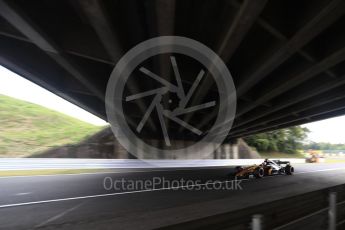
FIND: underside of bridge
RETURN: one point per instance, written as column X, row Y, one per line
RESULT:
column 286, row 57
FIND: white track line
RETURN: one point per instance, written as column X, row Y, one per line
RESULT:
column 58, row 216
column 22, row 193
column 139, row 191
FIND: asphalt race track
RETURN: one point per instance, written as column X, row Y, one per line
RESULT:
column 81, row 201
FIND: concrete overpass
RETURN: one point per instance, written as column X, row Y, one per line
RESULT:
column 286, row 57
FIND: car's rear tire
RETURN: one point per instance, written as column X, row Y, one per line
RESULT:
column 289, row 170
column 238, row 169
column 259, row 172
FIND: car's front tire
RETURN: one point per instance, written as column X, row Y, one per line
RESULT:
column 289, row 170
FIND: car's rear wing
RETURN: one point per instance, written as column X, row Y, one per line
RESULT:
column 279, row 162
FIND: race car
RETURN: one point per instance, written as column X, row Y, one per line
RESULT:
column 266, row 168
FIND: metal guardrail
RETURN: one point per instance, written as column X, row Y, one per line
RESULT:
column 315, row 210
column 257, row 219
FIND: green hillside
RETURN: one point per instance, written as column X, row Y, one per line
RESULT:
column 27, row 129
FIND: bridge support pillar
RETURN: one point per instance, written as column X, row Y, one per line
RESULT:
column 119, row 151
column 227, row 149
column 234, row 149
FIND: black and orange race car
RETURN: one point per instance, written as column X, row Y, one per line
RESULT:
column 266, row 168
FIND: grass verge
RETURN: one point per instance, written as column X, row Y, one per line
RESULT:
column 334, row 160
column 281, row 155
column 27, row 128
column 39, row 172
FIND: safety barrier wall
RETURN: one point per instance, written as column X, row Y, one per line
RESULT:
column 59, row 163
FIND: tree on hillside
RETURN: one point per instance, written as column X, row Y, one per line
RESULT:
column 324, row 146
column 287, row 140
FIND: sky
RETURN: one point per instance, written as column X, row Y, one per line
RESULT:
column 330, row 130
column 15, row 86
